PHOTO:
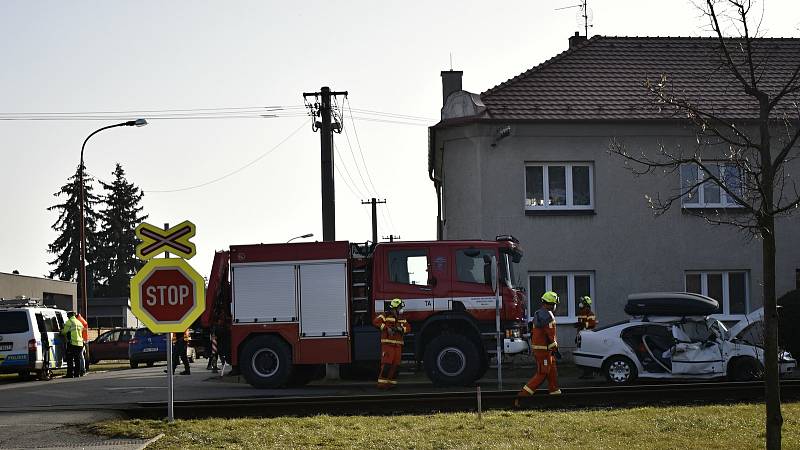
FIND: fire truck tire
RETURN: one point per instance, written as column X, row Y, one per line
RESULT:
column 266, row 362
column 302, row 374
column 452, row 360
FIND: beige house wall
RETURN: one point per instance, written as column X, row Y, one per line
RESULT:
column 12, row 285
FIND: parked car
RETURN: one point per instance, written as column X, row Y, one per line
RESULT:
column 30, row 339
column 673, row 336
column 111, row 345
column 147, row 347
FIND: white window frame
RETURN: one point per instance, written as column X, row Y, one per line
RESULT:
column 568, row 180
column 725, row 200
column 726, row 307
column 571, row 317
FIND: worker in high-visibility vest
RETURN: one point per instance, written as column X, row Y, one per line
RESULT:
column 545, row 348
column 85, row 352
column 393, row 327
column 73, row 334
column 181, row 342
column 586, row 321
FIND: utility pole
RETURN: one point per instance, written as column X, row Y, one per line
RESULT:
column 374, row 204
column 322, row 110
column 391, row 237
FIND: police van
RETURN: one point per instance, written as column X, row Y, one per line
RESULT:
column 30, row 339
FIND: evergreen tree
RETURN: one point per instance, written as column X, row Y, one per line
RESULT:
column 67, row 245
column 117, row 261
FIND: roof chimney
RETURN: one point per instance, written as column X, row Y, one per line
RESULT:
column 451, row 82
column 576, row 40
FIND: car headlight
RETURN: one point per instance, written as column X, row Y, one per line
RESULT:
column 785, row 357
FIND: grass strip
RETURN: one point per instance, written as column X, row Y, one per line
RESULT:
column 737, row 426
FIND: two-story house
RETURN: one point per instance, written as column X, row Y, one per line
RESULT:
column 530, row 157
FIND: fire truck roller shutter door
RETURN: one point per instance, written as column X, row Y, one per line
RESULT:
column 323, row 300
column 264, row 293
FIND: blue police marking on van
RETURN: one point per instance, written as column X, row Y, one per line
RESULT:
column 9, row 360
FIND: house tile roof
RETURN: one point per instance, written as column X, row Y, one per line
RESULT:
column 604, row 78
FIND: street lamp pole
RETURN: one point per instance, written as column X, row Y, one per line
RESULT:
column 84, row 295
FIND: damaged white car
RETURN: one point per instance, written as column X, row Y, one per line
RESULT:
column 673, row 336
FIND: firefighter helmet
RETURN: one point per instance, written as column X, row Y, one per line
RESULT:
column 396, row 303
column 586, row 300
column 550, row 297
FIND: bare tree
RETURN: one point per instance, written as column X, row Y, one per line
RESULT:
column 747, row 131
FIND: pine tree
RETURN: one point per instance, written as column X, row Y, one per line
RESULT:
column 67, row 245
column 117, row 261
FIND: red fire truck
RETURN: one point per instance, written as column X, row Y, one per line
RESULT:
column 288, row 309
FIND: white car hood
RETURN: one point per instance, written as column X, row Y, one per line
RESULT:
column 754, row 316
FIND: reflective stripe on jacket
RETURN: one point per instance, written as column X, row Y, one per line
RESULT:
column 543, row 335
column 73, row 331
column 385, row 323
column 586, row 319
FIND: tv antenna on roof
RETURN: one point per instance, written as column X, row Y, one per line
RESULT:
column 584, row 14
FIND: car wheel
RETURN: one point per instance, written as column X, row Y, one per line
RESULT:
column 134, row 364
column 452, row 360
column 24, row 374
column 266, row 362
column 745, row 369
column 302, row 374
column 619, row 370
column 151, row 363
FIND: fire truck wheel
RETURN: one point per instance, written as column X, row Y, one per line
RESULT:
column 452, row 360
column 266, row 362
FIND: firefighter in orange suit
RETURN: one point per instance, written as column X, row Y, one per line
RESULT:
column 545, row 348
column 586, row 321
column 393, row 327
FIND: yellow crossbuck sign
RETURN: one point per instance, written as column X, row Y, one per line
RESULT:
column 156, row 241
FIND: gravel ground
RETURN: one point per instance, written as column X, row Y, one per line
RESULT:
column 59, row 430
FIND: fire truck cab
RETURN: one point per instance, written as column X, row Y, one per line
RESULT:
column 287, row 309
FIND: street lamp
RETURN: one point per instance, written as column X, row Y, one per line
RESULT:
column 130, row 123
column 301, row 237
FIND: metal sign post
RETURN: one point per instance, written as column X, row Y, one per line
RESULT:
column 499, row 354
column 170, row 381
column 167, row 294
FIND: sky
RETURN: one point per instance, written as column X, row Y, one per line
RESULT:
column 251, row 179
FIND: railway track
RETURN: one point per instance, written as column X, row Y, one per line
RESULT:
column 605, row 396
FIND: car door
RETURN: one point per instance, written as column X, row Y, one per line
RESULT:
column 697, row 351
column 120, row 349
column 104, row 346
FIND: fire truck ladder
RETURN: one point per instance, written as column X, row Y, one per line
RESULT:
column 360, row 286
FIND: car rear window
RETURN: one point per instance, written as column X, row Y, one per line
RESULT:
column 13, row 322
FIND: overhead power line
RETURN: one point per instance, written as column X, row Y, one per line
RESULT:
column 233, row 172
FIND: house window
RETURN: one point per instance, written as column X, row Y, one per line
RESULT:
column 701, row 192
column 559, row 186
column 730, row 289
column 570, row 287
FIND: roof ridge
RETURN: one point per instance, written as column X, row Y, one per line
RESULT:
column 596, row 38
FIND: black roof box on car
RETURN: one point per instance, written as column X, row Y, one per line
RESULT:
column 670, row 304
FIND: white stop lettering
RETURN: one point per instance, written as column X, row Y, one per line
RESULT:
column 166, row 295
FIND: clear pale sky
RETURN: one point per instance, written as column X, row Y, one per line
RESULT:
column 82, row 56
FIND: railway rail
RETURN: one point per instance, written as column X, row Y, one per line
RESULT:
column 605, row 396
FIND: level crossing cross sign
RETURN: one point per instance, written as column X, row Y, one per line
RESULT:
column 167, row 295
column 174, row 240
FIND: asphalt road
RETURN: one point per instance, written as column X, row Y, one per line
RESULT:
column 114, row 389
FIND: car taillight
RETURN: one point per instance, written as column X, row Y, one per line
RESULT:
column 32, row 345
column 133, row 341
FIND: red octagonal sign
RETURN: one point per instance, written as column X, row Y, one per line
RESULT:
column 167, row 295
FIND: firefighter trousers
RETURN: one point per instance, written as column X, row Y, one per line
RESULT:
column 545, row 369
column 390, row 364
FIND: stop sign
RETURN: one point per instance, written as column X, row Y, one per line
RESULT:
column 167, row 295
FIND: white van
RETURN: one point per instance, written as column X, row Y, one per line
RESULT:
column 30, row 340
